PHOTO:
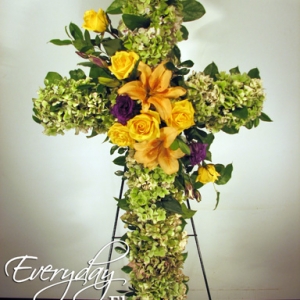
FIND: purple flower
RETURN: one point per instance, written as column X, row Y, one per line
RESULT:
column 124, row 109
column 198, row 153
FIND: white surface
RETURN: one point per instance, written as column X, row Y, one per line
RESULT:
column 57, row 193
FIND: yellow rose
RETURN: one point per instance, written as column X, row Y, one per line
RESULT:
column 95, row 21
column 122, row 63
column 182, row 116
column 144, row 127
column 207, row 174
column 119, row 135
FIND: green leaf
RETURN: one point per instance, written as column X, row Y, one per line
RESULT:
column 241, row 113
column 75, row 31
column 116, row 7
column 192, row 10
column 126, row 269
column 186, row 212
column 86, row 64
column 119, row 173
column 122, row 291
column 87, row 37
column 135, row 21
column 83, row 46
column 217, row 200
column 225, row 173
column 265, row 117
column 254, row 73
column 111, row 46
column 120, row 161
column 184, row 255
column 94, row 133
column 187, row 64
column 55, row 108
column 122, row 150
column 131, row 227
column 120, row 250
column 177, row 53
column 184, row 147
column 37, row 120
column 230, row 130
column 211, row 70
column 122, row 203
column 175, row 145
column 256, row 122
column 208, row 156
column 58, row 42
column 249, row 124
column 124, row 237
column 77, row 74
column 185, row 32
column 235, row 70
column 183, row 71
column 170, row 66
column 194, row 133
column 109, row 82
column 53, row 77
column 96, row 72
column 170, row 204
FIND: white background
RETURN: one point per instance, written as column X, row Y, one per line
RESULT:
column 57, row 193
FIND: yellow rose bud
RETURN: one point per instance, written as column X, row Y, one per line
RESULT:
column 207, row 174
column 144, row 127
column 119, row 135
column 182, row 116
column 122, row 63
column 95, row 21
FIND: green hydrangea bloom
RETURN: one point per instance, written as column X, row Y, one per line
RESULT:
column 157, row 238
column 216, row 102
column 153, row 44
column 64, row 105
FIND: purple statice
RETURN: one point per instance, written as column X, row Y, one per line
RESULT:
column 124, row 109
column 198, row 153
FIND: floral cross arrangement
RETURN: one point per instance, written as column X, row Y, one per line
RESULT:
column 160, row 118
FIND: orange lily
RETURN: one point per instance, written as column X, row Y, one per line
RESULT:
column 153, row 88
column 158, row 152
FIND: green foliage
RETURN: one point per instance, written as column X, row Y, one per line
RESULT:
column 77, row 74
column 120, row 160
column 58, row 42
column 225, row 173
column 211, row 70
column 53, row 77
column 135, row 21
column 115, row 7
column 265, row 117
column 111, row 46
column 192, row 10
column 126, row 269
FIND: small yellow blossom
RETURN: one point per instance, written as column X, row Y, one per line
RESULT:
column 122, row 63
column 207, row 174
column 119, row 135
column 95, row 21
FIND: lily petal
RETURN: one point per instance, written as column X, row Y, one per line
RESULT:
column 168, row 135
column 167, row 162
column 174, row 92
column 162, row 105
column 160, row 78
column 145, row 73
column 134, row 89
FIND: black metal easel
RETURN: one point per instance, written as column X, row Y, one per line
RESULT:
column 113, row 237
